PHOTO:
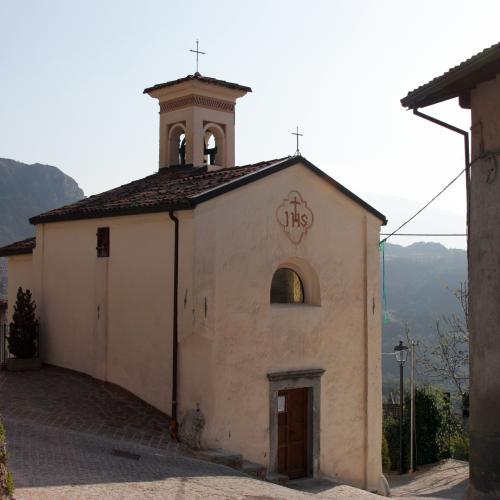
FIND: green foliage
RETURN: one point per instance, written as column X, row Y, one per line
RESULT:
column 10, row 484
column 391, row 436
column 459, row 447
column 439, row 433
column 386, row 459
column 6, row 479
column 23, row 330
column 429, row 414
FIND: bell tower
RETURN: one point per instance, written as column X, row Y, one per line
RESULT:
column 197, row 121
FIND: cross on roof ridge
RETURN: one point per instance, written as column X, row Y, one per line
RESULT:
column 297, row 134
column 197, row 52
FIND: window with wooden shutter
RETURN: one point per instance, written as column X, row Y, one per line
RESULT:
column 103, row 242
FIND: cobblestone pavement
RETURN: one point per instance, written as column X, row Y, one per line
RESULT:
column 67, row 399
column 48, row 463
column 72, row 437
column 448, row 479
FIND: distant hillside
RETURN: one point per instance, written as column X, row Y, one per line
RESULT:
column 419, row 281
column 432, row 220
column 25, row 191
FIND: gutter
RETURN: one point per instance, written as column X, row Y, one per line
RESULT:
column 173, row 413
column 465, row 135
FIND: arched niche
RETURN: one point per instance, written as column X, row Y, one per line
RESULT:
column 177, row 145
column 309, row 281
column 214, row 145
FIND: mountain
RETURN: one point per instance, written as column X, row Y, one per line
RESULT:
column 25, row 191
column 431, row 220
column 419, row 283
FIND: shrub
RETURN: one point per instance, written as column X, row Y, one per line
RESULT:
column 459, row 447
column 429, row 420
column 23, row 330
column 438, row 432
column 386, row 459
column 6, row 480
column 391, row 437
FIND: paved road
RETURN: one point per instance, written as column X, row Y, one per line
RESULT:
column 446, row 480
column 67, row 435
column 49, row 463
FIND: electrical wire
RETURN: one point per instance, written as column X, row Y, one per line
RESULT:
column 424, row 207
column 423, row 234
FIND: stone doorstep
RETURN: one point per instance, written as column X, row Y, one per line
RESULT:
column 255, row 470
column 277, row 478
column 235, row 461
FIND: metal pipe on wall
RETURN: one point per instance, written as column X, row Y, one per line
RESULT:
column 173, row 422
column 465, row 135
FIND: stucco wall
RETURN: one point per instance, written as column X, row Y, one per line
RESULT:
column 229, row 350
column 20, row 272
column 109, row 317
column 484, row 288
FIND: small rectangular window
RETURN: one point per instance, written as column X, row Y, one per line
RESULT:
column 103, row 242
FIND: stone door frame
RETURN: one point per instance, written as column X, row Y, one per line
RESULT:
column 296, row 379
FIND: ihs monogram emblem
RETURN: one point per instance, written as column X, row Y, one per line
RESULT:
column 294, row 216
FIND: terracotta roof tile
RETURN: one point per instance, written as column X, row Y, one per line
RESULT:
column 170, row 188
column 180, row 188
column 461, row 78
column 18, row 248
column 200, row 78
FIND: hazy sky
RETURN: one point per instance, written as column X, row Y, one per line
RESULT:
column 73, row 72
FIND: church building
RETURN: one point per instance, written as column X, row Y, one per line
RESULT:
column 249, row 293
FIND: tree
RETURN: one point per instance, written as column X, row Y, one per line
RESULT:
column 448, row 359
column 23, row 330
column 438, row 432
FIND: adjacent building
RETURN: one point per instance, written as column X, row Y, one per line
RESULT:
column 476, row 84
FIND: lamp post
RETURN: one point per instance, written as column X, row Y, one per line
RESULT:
column 401, row 353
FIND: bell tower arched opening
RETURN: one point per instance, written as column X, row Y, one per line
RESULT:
column 214, row 147
column 177, row 145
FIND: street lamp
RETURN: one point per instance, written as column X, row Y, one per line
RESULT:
column 401, row 353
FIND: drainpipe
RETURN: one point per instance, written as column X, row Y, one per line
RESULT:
column 173, row 422
column 467, row 162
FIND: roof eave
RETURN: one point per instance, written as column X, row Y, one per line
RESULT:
column 11, row 250
column 281, row 166
column 458, row 82
column 212, row 193
column 41, row 219
column 11, row 253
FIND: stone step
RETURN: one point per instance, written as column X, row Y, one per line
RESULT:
column 277, row 478
column 253, row 469
column 219, row 456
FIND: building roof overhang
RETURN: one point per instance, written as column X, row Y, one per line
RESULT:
column 18, row 248
column 198, row 79
column 457, row 81
column 173, row 190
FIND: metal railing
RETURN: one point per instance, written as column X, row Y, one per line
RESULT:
column 4, row 354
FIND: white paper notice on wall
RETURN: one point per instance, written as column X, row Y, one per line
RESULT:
column 294, row 216
column 281, row 404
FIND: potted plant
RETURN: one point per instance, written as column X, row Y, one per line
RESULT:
column 23, row 334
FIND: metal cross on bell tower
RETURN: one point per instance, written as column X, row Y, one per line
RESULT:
column 197, row 52
column 296, row 134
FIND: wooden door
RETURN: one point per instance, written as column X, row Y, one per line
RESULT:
column 292, row 432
